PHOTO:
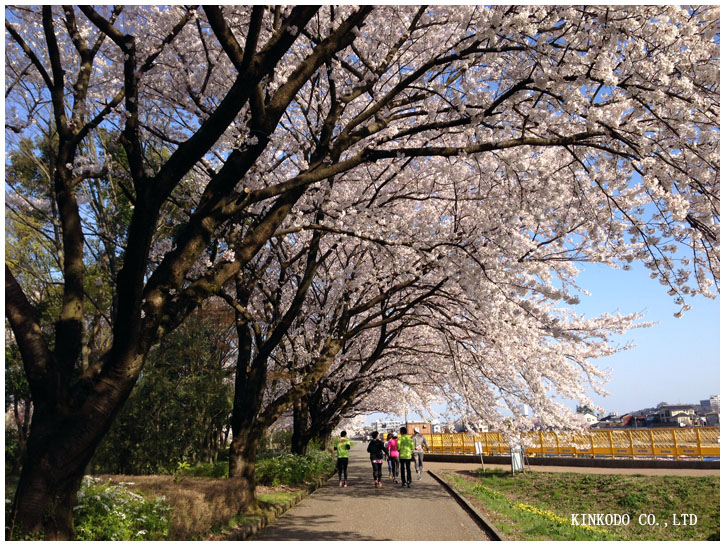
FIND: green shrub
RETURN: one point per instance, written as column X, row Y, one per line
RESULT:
column 204, row 470
column 287, row 469
column 272, row 468
column 112, row 512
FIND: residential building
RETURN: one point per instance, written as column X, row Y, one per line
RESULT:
column 711, row 404
column 467, row 426
column 612, row 420
column 425, row 427
column 676, row 415
column 383, row 427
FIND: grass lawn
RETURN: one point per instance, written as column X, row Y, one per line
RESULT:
column 539, row 505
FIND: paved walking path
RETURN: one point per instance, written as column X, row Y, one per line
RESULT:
column 362, row 512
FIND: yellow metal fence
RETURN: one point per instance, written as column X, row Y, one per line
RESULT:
column 669, row 443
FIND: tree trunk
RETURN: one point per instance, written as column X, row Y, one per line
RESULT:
column 242, row 461
column 323, row 436
column 67, row 426
column 59, row 449
column 300, row 427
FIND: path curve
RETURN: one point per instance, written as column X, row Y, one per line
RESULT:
column 362, row 512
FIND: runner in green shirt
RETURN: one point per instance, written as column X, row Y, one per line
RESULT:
column 342, row 447
column 405, row 447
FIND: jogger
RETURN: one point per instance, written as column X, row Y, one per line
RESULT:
column 377, row 451
column 420, row 443
column 393, row 455
column 405, row 447
column 342, row 447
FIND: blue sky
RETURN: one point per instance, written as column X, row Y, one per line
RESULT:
column 674, row 361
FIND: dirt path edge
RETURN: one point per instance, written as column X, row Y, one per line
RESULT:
column 244, row 532
column 482, row 522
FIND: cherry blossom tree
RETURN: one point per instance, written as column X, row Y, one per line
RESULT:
column 293, row 323
column 498, row 145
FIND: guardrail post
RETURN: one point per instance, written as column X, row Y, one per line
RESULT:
column 591, row 443
column 652, row 441
column 699, row 443
column 541, row 443
column 558, row 450
column 674, row 440
column 631, row 443
column 485, row 438
column 611, row 444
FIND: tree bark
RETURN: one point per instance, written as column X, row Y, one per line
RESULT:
column 249, row 385
column 60, row 446
column 323, row 436
column 242, row 462
column 300, row 427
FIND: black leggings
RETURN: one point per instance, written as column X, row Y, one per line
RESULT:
column 342, row 467
column 394, row 465
column 404, row 465
column 377, row 471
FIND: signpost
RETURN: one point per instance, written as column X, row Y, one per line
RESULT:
column 517, row 459
column 479, row 451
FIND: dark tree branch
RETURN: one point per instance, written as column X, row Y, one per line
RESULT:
column 37, row 358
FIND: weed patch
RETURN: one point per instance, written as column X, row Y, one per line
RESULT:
column 274, row 468
column 539, row 505
column 111, row 512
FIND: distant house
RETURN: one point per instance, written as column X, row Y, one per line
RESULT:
column 676, row 415
column 635, row 421
column 385, row 427
column 682, row 419
column 467, row 426
column 425, row 428
column 610, row 421
column 589, row 418
column 712, row 419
